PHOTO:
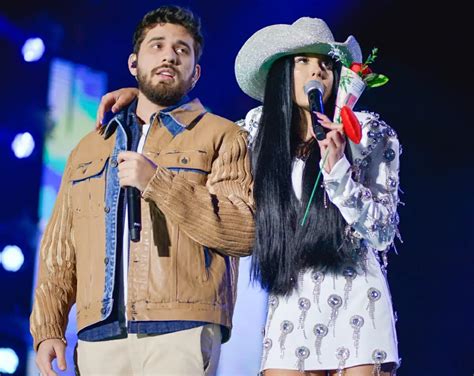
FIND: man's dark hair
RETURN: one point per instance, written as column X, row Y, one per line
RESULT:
column 174, row 15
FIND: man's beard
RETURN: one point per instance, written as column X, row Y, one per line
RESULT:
column 162, row 94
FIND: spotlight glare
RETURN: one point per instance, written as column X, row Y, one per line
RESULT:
column 8, row 361
column 12, row 258
column 33, row 49
column 23, row 145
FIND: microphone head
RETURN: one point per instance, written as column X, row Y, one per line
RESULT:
column 313, row 85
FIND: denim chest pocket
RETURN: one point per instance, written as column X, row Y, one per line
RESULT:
column 88, row 187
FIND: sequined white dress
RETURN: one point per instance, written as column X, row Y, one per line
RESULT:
column 335, row 322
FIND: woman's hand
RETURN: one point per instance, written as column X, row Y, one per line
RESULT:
column 335, row 141
column 114, row 101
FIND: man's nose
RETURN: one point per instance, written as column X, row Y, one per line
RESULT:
column 170, row 56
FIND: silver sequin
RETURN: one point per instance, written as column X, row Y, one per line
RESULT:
column 335, row 302
column 273, row 303
column 317, row 278
column 373, row 294
column 349, row 274
column 357, row 322
column 374, row 124
column 389, row 155
column 378, row 356
column 286, row 328
column 390, row 132
column 267, row 345
column 302, row 353
column 304, row 305
column 342, row 354
column 320, row 331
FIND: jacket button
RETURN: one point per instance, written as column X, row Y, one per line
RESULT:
column 106, row 209
column 106, row 260
column 114, row 163
column 184, row 160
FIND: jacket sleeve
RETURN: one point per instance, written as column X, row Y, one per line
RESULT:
column 219, row 215
column 55, row 291
column 370, row 209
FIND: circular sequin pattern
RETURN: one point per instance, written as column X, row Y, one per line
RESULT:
column 357, row 321
column 302, row 352
column 374, row 124
column 366, row 161
column 320, row 330
column 335, row 301
column 342, row 353
column 349, row 272
column 304, row 304
column 286, row 326
column 267, row 344
column 273, row 301
column 373, row 294
column 379, row 356
column 317, row 277
column 389, row 155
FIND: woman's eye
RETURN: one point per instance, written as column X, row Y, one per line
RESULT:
column 302, row 60
column 328, row 65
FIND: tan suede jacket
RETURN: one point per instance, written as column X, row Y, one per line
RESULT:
column 197, row 218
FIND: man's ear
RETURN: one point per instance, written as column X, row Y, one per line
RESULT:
column 132, row 64
column 196, row 75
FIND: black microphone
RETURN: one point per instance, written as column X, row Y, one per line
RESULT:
column 315, row 90
column 134, row 213
column 133, row 194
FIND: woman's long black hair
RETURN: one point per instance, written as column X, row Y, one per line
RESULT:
column 283, row 247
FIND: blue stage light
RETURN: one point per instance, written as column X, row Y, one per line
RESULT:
column 33, row 49
column 12, row 258
column 23, row 145
column 8, row 361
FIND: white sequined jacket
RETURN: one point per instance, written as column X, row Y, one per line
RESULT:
column 365, row 192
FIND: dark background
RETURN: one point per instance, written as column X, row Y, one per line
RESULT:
column 423, row 48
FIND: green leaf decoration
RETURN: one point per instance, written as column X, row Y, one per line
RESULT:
column 375, row 80
column 373, row 55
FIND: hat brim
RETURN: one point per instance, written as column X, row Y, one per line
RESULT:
column 267, row 45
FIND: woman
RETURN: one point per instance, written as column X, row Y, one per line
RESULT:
column 329, row 308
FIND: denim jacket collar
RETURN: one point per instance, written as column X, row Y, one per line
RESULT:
column 175, row 118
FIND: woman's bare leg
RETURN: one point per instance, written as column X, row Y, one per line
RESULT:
column 388, row 369
column 288, row 372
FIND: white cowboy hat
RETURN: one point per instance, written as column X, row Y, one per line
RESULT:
column 305, row 35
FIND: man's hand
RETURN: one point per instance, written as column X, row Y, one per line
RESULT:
column 114, row 101
column 48, row 350
column 135, row 170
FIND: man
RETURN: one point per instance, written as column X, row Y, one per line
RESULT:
column 163, row 304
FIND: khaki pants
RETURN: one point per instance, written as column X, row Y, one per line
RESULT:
column 192, row 352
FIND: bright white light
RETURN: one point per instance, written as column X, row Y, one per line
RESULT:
column 12, row 258
column 8, row 361
column 33, row 49
column 23, row 145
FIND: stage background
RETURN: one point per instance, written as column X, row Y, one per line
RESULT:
column 424, row 50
